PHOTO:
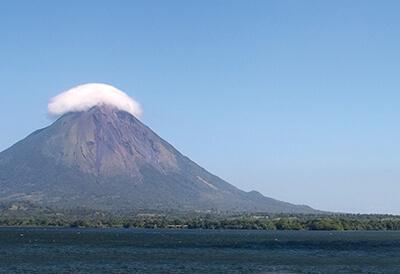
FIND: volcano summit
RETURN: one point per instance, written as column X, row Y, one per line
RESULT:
column 98, row 155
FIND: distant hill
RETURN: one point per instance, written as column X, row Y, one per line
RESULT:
column 106, row 159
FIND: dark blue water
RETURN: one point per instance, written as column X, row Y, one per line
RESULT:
column 196, row 251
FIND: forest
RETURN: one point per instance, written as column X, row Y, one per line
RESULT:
column 22, row 215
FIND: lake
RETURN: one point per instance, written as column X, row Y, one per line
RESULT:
column 61, row 250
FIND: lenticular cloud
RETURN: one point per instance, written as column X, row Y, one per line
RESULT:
column 86, row 96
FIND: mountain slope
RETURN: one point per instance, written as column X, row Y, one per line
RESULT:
column 107, row 159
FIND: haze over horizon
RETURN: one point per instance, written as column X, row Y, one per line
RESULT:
column 298, row 101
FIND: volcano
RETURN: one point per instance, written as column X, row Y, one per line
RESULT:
column 105, row 158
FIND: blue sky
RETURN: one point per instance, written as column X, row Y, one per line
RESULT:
column 296, row 99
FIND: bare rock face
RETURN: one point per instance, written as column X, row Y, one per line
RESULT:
column 107, row 142
column 107, row 159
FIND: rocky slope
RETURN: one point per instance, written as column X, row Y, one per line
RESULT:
column 107, row 159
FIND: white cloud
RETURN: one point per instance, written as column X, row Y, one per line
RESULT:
column 84, row 97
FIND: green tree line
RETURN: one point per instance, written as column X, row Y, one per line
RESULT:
column 300, row 222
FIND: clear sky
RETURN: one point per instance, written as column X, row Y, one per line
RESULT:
column 296, row 99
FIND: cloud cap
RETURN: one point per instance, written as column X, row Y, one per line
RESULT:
column 84, row 97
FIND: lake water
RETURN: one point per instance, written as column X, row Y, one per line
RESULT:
column 196, row 251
